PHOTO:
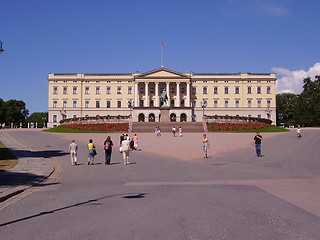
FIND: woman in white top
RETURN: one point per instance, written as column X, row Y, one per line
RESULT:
column 125, row 144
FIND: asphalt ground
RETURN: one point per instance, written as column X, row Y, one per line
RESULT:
column 170, row 192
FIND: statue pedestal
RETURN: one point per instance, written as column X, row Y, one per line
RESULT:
column 164, row 114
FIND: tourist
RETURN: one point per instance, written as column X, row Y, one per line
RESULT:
column 91, row 152
column 135, row 141
column 174, row 131
column 73, row 147
column 205, row 146
column 180, row 131
column 108, row 150
column 125, row 147
column 299, row 132
column 121, row 138
column 257, row 140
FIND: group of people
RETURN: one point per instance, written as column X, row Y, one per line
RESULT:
column 126, row 146
column 174, row 131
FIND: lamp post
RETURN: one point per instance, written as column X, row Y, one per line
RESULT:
column 1, row 49
column 268, row 113
column 63, row 113
column 130, row 106
column 203, row 104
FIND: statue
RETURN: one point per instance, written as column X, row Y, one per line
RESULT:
column 164, row 99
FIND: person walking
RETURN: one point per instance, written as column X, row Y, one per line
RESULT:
column 205, row 146
column 73, row 147
column 174, row 131
column 135, row 139
column 257, row 140
column 180, row 131
column 107, row 145
column 91, row 152
column 125, row 145
column 299, row 132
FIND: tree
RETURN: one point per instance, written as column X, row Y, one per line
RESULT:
column 2, row 117
column 14, row 111
column 38, row 117
column 283, row 102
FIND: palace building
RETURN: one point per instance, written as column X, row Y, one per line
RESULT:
column 161, row 95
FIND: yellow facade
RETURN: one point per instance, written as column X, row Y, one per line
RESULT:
column 189, row 95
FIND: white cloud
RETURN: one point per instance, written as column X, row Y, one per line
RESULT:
column 292, row 81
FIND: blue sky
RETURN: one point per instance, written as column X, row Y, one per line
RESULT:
column 124, row 36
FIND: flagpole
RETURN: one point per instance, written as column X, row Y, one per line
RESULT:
column 162, row 46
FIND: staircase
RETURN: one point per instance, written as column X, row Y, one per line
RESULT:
column 143, row 127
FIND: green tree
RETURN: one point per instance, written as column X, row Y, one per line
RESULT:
column 283, row 102
column 2, row 117
column 40, row 118
column 14, row 111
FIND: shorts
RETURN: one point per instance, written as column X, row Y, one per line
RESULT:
column 90, row 153
column 205, row 148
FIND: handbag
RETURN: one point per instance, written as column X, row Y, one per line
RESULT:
column 94, row 152
column 120, row 149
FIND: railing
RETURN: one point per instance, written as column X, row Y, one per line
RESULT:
column 96, row 120
column 236, row 119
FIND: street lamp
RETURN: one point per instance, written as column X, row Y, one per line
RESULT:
column 130, row 106
column 1, row 49
column 203, row 104
column 268, row 113
column 63, row 113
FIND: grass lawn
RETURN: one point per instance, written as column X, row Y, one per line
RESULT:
column 267, row 129
column 70, row 130
column 7, row 159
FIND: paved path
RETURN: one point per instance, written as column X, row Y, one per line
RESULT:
column 171, row 192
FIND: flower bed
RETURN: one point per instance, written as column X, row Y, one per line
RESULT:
column 109, row 127
column 216, row 127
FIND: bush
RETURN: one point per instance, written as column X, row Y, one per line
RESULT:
column 108, row 127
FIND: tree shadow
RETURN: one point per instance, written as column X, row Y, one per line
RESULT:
column 8, row 178
column 38, row 154
column 91, row 202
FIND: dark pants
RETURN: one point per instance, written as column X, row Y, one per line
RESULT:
column 108, row 157
column 258, row 149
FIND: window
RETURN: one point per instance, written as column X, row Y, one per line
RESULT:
column 237, row 103
column 268, row 103
column 205, row 90
column 259, row 116
column 119, row 90
column 108, row 90
column 119, row 104
column 151, row 103
column 64, row 103
column 215, row 103
column 141, row 89
column 151, row 89
column 98, row 90
column 237, row 90
column 97, row 103
column 226, row 90
column 249, row 90
column 74, row 90
column 183, row 90
column 74, row 103
column 129, row 90
column 226, row 103
column 259, row 103
column 172, row 90
column 182, row 103
column 268, row 90
column 249, row 103
column 161, row 89
column 86, row 104
column 55, row 104
column 74, row 116
column 141, row 103
column 215, row 90
column 258, row 90
column 194, row 90
column 87, row 90
column 54, row 118
column 65, row 90
column 55, row 90
column 108, row 103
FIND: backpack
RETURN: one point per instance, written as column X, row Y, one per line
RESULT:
column 107, row 146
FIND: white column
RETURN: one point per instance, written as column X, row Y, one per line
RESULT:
column 146, row 89
column 136, row 94
column 188, row 95
column 178, row 95
column 168, row 92
column 157, row 94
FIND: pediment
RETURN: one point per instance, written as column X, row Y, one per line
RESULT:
column 161, row 73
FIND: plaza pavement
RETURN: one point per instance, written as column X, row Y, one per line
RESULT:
column 274, row 197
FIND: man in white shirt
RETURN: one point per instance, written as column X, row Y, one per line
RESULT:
column 73, row 147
